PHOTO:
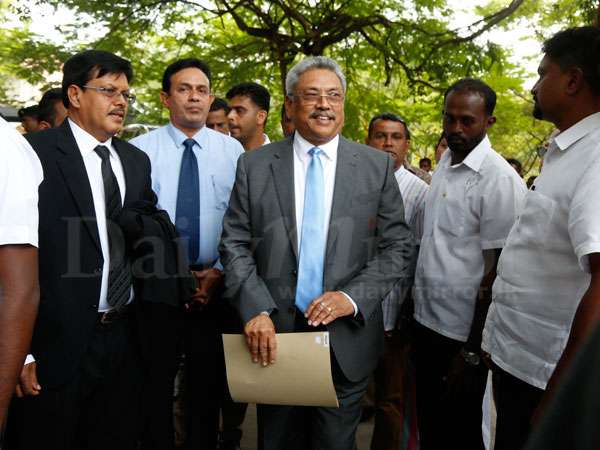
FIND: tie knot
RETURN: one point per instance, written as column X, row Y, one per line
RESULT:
column 102, row 152
column 189, row 143
column 315, row 151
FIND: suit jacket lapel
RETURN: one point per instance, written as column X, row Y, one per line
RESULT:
column 347, row 159
column 282, row 168
column 73, row 169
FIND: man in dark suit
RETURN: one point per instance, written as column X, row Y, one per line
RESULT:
column 81, row 380
column 314, row 238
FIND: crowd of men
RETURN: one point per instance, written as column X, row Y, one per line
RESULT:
column 140, row 253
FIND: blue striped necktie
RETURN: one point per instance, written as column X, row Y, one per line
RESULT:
column 312, row 241
column 187, row 210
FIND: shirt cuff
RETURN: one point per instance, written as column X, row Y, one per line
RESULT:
column 353, row 303
column 29, row 360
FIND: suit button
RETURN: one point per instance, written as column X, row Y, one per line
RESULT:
column 95, row 306
column 292, row 309
column 98, row 271
column 294, row 272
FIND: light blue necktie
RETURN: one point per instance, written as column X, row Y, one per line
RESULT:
column 312, row 241
column 187, row 210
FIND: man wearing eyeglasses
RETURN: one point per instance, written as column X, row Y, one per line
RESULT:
column 193, row 170
column 313, row 239
column 81, row 379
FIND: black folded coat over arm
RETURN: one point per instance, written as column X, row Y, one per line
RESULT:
column 158, row 261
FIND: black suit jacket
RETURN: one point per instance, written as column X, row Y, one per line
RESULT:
column 369, row 246
column 70, row 256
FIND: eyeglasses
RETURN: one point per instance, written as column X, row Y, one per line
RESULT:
column 112, row 92
column 312, row 98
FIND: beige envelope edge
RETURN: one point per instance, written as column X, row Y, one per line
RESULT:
column 300, row 376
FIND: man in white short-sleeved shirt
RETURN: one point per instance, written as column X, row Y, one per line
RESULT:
column 20, row 176
column 471, row 205
column 546, row 297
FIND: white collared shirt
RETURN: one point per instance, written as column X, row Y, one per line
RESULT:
column 469, row 207
column 413, row 191
column 329, row 161
column 93, row 166
column 20, row 175
column 301, row 161
column 543, row 271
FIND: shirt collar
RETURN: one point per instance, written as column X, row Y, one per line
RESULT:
column 86, row 142
column 582, row 128
column 302, row 146
column 400, row 171
column 179, row 136
column 475, row 157
column 266, row 139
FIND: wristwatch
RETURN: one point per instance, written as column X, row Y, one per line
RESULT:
column 471, row 358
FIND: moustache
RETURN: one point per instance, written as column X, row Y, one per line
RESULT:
column 455, row 138
column 328, row 114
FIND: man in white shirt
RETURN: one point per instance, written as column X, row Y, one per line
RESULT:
column 546, row 298
column 392, row 378
column 473, row 201
column 249, row 105
column 20, row 176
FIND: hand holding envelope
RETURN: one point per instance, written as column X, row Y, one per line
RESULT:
column 261, row 339
column 302, row 375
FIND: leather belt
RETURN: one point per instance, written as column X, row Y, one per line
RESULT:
column 113, row 315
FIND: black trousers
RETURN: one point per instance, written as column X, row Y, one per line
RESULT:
column 98, row 409
column 447, row 419
column 232, row 413
column 205, row 376
column 516, row 401
column 314, row 428
column 160, row 331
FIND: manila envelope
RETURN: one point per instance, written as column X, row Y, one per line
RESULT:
column 300, row 376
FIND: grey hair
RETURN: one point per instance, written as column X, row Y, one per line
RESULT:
column 312, row 62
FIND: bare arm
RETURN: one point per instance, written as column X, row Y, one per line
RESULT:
column 19, row 298
column 482, row 304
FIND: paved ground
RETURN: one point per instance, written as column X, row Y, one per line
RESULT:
column 249, row 438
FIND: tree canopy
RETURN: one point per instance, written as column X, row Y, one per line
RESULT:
column 398, row 55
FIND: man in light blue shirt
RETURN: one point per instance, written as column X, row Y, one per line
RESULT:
column 193, row 171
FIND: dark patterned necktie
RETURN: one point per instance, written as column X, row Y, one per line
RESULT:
column 119, row 276
column 187, row 210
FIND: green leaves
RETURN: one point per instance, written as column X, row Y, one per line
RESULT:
column 398, row 55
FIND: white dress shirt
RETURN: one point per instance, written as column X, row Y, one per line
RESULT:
column 543, row 271
column 329, row 161
column 413, row 191
column 20, row 175
column 470, row 207
column 93, row 166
